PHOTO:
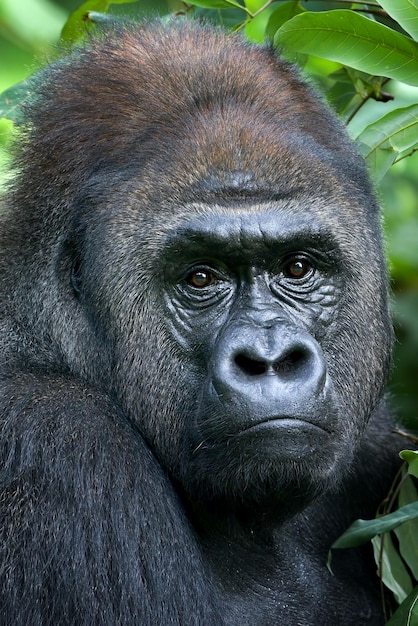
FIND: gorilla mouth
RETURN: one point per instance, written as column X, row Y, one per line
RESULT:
column 283, row 423
column 276, row 437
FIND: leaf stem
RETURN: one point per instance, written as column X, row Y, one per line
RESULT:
column 363, row 102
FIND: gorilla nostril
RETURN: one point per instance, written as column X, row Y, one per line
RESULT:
column 290, row 362
column 250, row 366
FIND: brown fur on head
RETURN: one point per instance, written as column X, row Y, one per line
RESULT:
column 138, row 96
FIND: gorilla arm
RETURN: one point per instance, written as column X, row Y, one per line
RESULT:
column 81, row 496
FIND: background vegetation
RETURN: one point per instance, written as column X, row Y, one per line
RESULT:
column 364, row 56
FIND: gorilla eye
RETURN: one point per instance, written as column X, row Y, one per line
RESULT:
column 200, row 279
column 297, row 268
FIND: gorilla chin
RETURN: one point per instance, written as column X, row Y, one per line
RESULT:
column 280, row 464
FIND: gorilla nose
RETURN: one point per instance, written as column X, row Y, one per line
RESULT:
column 269, row 366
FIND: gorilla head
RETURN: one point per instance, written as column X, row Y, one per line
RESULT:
column 194, row 235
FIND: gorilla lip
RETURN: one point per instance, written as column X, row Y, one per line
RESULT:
column 282, row 422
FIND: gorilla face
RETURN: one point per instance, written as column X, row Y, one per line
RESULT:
column 243, row 319
column 242, row 298
column 254, row 297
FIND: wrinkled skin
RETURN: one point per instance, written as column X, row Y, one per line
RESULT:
column 194, row 345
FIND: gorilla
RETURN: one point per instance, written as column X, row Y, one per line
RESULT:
column 194, row 344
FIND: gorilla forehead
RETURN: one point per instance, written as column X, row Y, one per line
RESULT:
column 244, row 223
column 246, row 158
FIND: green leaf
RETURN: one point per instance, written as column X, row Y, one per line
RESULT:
column 407, row 613
column 354, row 40
column 255, row 28
column 215, row 4
column 405, row 12
column 363, row 530
column 231, row 19
column 12, row 100
column 282, row 14
column 389, row 137
column 393, row 572
column 76, row 26
column 407, row 533
column 411, row 456
column 254, row 5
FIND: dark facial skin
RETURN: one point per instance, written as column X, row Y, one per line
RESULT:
column 249, row 295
